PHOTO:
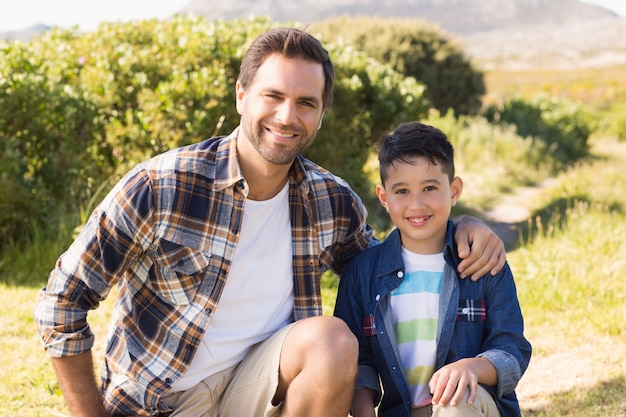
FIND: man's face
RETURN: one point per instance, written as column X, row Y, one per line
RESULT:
column 282, row 109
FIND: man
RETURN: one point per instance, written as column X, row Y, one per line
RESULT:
column 217, row 249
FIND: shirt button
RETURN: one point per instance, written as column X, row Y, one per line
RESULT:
column 465, row 310
column 400, row 274
column 377, row 297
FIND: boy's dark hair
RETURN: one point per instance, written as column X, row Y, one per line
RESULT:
column 291, row 43
column 413, row 139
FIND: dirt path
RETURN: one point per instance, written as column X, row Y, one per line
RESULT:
column 557, row 365
column 515, row 208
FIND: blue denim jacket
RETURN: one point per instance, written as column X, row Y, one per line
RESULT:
column 476, row 319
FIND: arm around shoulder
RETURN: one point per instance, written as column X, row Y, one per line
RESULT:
column 480, row 249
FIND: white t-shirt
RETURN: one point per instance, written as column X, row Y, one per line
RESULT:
column 415, row 306
column 257, row 299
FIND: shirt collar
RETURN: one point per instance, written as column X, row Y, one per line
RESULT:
column 227, row 170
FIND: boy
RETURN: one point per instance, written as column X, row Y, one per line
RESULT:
column 439, row 345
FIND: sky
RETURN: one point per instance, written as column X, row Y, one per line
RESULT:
column 21, row 14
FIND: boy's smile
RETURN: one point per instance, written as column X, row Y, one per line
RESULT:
column 419, row 197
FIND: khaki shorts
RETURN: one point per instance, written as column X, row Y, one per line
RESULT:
column 246, row 389
column 483, row 406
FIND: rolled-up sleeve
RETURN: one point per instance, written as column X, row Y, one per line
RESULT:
column 85, row 273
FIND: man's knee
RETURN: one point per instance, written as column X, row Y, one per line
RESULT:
column 323, row 341
column 333, row 334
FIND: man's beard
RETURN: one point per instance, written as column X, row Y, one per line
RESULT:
column 281, row 154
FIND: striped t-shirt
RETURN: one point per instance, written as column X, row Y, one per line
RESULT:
column 415, row 306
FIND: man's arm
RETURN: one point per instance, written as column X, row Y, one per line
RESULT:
column 78, row 384
column 480, row 248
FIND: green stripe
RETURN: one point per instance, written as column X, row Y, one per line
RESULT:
column 420, row 375
column 418, row 329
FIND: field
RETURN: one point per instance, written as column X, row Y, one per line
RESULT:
column 569, row 264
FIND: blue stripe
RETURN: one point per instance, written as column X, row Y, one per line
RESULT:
column 420, row 281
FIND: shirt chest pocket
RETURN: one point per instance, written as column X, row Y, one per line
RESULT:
column 178, row 272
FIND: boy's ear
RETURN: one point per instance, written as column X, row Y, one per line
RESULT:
column 382, row 196
column 457, row 188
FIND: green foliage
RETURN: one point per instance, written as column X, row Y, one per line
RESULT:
column 417, row 50
column 616, row 120
column 563, row 126
column 79, row 109
column 47, row 132
column 490, row 158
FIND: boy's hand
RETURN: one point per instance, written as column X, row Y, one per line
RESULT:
column 480, row 248
column 449, row 383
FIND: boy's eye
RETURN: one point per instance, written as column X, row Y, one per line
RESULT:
column 430, row 188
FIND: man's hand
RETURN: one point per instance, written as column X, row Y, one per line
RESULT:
column 480, row 248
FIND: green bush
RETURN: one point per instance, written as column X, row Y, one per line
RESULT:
column 563, row 126
column 418, row 50
column 79, row 109
column 46, row 133
column 616, row 120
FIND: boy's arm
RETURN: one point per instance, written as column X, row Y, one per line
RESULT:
column 480, row 248
column 349, row 308
column 363, row 403
column 449, row 383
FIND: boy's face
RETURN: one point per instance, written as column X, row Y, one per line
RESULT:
column 419, row 197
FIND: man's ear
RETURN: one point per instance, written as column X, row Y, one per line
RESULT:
column 239, row 94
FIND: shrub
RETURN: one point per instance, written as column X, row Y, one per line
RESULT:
column 563, row 126
column 80, row 109
column 418, row 50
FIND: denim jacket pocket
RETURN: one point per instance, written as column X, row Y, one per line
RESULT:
column 178, row 271
column 369, row 325
column 471, row 311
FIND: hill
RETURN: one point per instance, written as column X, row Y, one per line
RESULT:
column 455, row 16
column 506, row 34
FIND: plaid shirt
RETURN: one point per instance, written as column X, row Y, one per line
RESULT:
column 166, row 235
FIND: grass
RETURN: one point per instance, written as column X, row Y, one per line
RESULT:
column 597, row 87
column 569, row 266
column 569, row 270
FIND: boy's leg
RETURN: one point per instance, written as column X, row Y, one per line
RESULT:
column 307, row 369
column 483, row 406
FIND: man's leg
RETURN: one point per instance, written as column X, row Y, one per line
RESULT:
column 318, row 369
column 315, row 376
